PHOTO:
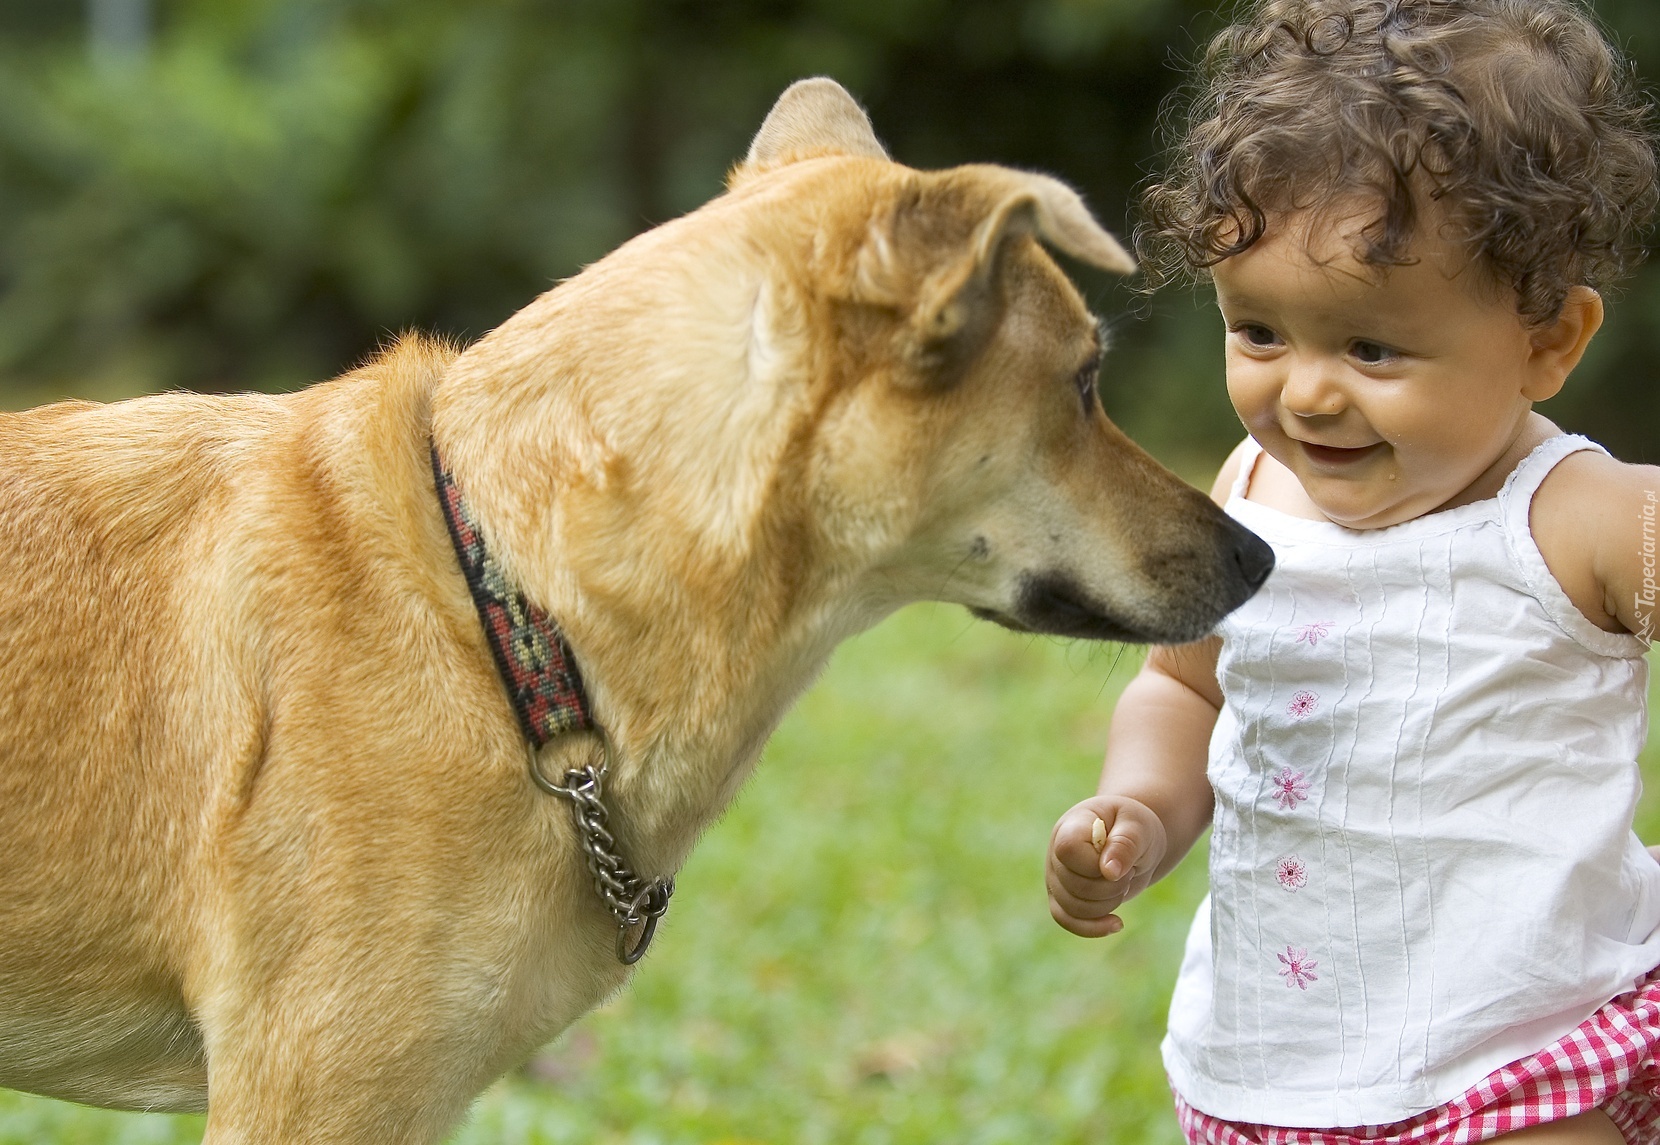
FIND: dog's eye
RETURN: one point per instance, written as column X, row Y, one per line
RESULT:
column 1086, row 380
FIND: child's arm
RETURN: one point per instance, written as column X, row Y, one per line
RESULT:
column 1630, row 547
column 1153, row 799
column 1597, row 523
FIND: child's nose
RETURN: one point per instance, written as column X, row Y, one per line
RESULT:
column 1311, row 389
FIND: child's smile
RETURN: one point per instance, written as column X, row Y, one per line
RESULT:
column 1387, row 392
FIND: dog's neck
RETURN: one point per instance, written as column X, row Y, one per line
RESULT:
column 537, row 668
column 698, row 604
column 685, row 690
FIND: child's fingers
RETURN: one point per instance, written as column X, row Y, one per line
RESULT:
column 1073, row 846
column 1085, row 927
column 1125, row 843
column 1083, row 898
column 1088, row 887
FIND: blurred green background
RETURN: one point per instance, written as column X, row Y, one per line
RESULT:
column 230, row 194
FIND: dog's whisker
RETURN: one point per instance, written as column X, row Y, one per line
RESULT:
column 939, row 593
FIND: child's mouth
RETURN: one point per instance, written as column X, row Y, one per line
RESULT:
column 1337, row 455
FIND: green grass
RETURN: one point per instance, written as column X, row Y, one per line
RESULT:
column 860, row 952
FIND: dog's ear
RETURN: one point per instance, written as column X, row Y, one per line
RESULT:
column 959, row 305
column 813, row 118
column 1055, row 212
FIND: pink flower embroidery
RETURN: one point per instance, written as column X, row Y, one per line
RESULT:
column 1299, row 968
column 1302, row 705
column 1291, row 873
column 1312, row 634
column 1290, row 788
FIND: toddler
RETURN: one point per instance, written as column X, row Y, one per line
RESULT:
column 1429, row 920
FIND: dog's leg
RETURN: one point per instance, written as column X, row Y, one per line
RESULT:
column 331, row 1070
column 308, row 1105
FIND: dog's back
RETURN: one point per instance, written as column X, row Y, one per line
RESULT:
column 168, row 565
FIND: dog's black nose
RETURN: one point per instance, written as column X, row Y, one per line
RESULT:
column 1255, row 559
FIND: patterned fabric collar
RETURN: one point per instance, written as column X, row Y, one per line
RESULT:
column 535, row 663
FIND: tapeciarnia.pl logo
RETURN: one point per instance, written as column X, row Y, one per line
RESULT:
column 1650, row 591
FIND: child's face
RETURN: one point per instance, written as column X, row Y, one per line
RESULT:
column 1388, row 393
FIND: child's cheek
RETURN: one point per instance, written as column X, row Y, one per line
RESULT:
column 1252, row 393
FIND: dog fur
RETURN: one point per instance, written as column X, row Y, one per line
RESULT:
column 268, row 844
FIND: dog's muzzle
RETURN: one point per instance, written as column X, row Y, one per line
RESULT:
column 1057, row 603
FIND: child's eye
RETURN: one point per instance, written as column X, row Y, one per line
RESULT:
column 1371, row 353
column 1257, row 337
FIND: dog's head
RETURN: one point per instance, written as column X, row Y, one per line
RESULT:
column 850, row 384
column 969, row 432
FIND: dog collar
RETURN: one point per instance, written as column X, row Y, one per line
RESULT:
column 536, row 664
column 548, row 698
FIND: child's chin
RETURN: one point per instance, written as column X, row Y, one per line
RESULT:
column 1353, row 502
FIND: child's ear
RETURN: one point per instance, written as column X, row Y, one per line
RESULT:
column 1557, row 348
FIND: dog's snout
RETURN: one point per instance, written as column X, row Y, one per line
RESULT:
column 1255, row 559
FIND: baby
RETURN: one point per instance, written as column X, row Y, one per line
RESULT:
column 1429, row 920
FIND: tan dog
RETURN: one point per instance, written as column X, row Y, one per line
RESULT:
column 269, row 843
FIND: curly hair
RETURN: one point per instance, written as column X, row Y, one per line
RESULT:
column 1517, row 117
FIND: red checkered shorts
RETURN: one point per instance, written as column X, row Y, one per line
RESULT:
column 1611, row 1062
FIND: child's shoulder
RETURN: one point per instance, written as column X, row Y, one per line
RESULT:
column 1594, row 519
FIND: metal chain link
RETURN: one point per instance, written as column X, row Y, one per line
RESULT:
column 632, row 901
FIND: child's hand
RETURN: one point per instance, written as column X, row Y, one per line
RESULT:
column 1088, row 881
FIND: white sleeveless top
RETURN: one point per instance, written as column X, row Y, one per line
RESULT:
column 1422, row 865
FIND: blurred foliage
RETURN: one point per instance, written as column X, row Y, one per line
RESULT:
column 274, row 186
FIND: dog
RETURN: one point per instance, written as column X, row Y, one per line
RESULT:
column 350, row 737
